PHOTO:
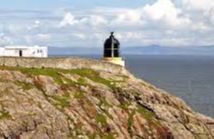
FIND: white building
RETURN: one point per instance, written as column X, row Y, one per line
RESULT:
column 24, row 51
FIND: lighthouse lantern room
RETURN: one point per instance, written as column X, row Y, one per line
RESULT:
column 112, row 51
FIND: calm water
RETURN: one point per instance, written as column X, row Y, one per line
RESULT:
column 188, row 77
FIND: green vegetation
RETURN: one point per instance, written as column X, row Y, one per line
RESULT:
column 4, row 114
column 104, row 102
column 54, row 73
column 62, row 101
column 81, row 81
column 32, row 113
column 145, row 112
column 102, row 135
column 59, row 79
column 92, row 75
column 24, row 85
column 79, row 94
column 100, row 118
column 92, row 136
column 109, row 136
column 2, row 80
column 104, row 106
column 84, row 72
column 130, row 121
column 124, row 105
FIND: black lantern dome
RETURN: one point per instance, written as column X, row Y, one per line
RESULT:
column 112, row 47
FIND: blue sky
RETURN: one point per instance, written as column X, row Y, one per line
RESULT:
column 55, row 4
column 81, row 23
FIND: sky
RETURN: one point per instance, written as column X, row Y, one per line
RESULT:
column 87, row 23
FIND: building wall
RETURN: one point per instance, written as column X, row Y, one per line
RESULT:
column 11, row 51
column 1, row 51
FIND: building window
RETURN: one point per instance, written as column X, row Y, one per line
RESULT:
column 39, row 51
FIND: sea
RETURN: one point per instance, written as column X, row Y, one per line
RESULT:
column 188, row 77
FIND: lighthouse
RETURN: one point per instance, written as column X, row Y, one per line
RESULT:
column 112, row 51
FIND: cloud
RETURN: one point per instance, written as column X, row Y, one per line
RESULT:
column 79, row 35
column 128, row 17
column 93, row 20
column 4, row 40
column 43, row 36
column 201, row 12
column 69, row 19
column 204, row 5
column 165, row 11
column 163, row 22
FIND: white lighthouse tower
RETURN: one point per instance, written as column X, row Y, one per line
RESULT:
column 112, row 51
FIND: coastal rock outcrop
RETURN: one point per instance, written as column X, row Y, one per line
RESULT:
column 88, row 99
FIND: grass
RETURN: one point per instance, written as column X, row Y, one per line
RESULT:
column 145, row 112
column 104, row 102
column 106, row 106
column 84, row 72
column 102, row 135
column 55, row 74
column 125, row 105
column 92, row 75
column 100, row 118
column 62, row 101
column 131, row 121
column 4, row 114
column 92, row 136
column 24, row 85
column 81, row 81
column 109, row 136
column 79, row 95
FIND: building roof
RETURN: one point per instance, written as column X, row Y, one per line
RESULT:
column 23, row 47
column 111, row 41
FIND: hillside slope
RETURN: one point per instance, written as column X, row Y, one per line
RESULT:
column 79, row 98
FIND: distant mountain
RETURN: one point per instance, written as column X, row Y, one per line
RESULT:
column 137, row 50
column 161, row 50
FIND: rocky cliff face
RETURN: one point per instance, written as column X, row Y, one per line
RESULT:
column 79, row 98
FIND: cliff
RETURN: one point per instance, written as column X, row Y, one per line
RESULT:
column 60, row 98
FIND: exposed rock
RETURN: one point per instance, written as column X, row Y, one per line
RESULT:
column 86, row 99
